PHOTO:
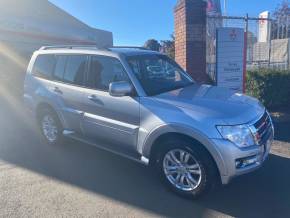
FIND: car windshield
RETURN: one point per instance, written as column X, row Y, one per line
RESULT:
column 158, row 73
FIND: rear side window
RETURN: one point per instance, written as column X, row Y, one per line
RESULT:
column 60, row 67
column 103, row 71
column 75, row 69
column 44, row 66
column 70, row 69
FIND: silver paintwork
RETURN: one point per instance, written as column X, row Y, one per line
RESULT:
column 182, row 170
column 134, row 123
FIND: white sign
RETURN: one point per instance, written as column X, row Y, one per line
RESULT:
column 230, row 58
column 264, row 27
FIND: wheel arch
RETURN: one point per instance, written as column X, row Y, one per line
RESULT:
column 152, row 144
column 42, row 106
column 45, row 105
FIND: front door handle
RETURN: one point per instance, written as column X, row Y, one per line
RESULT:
column 57, row 90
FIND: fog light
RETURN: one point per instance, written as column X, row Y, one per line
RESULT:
column 245, row 162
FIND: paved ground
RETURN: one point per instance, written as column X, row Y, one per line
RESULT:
column 77, row 180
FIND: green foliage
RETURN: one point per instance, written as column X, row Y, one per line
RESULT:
column 282, row 11
column 152, row 44
column 165, row 46
column 168, row 47
column 271, row 87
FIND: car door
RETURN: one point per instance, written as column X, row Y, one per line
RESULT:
column 69, row 75
column 113, row 119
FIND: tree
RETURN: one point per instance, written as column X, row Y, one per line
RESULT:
column 282, row 10
column 168, row 47
column 152, row 44
column 165, row 46
column 281, row 27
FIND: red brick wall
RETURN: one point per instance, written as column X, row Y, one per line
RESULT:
column 180, row 34
column 190, row 36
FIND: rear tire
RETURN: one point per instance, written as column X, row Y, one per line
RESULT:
column 186, row 168
column 50, row 127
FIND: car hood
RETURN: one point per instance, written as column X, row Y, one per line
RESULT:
column 208, row 103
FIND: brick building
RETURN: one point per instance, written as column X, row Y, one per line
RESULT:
column 190, row 37
column 27, row 25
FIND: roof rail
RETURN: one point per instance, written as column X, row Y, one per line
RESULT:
column 68, row 47
column 130, row 47
column 89, row 47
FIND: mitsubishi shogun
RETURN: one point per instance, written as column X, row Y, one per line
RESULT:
column 141, row 105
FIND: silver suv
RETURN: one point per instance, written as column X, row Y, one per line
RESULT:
column 140, row 104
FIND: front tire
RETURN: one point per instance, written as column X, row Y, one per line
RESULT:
column 186, row 168
column 50, row 127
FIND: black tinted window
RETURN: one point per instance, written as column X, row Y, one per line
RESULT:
column 103, row 71
column 75, row 69
column 70, row 69
column 60, row 67
column 44, row 66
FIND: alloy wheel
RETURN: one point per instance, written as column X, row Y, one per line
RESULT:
column 49, row 128
column 182, row 170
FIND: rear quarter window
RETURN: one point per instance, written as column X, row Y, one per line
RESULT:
column 44, row 66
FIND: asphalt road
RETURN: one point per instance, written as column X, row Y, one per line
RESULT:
column 77, row 180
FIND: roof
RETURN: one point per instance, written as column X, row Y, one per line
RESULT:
column 38, row 12
column 41, row 17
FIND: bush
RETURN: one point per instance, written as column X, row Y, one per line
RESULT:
column 271, row 87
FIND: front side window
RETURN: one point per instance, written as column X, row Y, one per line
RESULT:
column 103, row 71
column 44, row 66
column 158, row 73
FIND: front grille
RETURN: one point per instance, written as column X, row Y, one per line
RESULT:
column 264, row 129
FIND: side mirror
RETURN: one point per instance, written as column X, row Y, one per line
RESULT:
column 120, row 89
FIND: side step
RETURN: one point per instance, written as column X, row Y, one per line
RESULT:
column 112, row 149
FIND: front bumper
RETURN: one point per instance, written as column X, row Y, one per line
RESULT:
column 231, row 154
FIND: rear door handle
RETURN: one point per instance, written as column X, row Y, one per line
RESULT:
column 96, row 100
column 57, row 90
column 92, row 97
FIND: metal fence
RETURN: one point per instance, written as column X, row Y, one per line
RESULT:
column 268, row 44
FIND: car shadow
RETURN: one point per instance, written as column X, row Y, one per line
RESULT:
column 265, row 193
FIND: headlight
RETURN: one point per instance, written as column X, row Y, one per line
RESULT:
column 240, row 135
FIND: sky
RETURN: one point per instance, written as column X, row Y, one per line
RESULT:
column 135, row 21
